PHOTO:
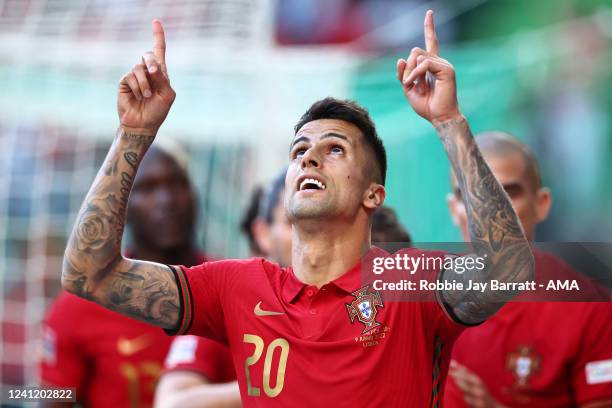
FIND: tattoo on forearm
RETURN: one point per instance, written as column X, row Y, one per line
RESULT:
column 126, row 186
column 135, row 140
column 93, row 265
column 131, row 158
column 494, row 228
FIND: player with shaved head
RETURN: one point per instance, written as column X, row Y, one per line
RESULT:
column 312, row 334
column 539, row 354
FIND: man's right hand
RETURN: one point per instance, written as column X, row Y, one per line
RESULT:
column 145, row 95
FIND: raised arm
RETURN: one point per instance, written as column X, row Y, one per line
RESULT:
column 93, row 266
column 496, row 235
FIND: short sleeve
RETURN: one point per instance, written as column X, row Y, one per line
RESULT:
column 203, row 289
column 61, row 362
column 592, row 370
column 203, row 356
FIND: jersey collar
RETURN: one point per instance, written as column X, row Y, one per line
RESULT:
column 350, row 281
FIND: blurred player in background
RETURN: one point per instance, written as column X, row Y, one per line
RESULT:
column 387, row 228
column 112, row 360
column 271, row 228
column 250, row 215
column 200, row 372
column 544, row 354
column 304, row 333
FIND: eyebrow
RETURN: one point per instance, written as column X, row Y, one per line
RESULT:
column 325, row 136
column 506, row 186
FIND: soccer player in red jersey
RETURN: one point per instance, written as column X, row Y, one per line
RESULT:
column 113, row 360
column 198, row 372
column 530, row 354
column 313, row 334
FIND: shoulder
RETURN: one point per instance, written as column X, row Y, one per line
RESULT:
column 233, row 266
column 233, row 273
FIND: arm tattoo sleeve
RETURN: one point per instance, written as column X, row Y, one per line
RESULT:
column 495, row 231
column 93, row 267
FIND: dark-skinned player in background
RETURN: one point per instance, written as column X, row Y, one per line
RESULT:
column 115, row 361
column 299, row 335
column 538, row 354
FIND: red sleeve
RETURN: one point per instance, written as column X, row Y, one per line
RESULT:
column 203, row 291
column 446, row 326
column 206, row 357
column 592, row 370
column 61, row 362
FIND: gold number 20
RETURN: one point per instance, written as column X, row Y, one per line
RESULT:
column 254, row 358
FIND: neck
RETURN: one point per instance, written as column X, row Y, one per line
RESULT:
column 185, row 254
column 325, row 251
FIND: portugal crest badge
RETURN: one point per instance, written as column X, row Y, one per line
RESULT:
column 364, row 307
column 523, row 363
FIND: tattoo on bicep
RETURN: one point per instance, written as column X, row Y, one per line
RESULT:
column 146, row 292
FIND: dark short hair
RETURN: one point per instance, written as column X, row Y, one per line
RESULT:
column 349, row 111
column 387, row 228
column 246, row 223
column 272, row 197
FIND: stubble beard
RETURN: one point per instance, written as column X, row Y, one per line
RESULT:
column 308, row 209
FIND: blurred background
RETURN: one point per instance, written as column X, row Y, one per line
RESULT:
column 244, row 71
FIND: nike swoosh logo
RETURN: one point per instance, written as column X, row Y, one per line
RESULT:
column 260, row 312
column 127, row 347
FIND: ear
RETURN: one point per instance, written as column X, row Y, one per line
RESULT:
column 261, row 233
column 543, row 203
column 374, row 196
column 455, row 207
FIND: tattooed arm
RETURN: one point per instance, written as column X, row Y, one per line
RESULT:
column 93, row 267
column 495, row 231
column 428, row 83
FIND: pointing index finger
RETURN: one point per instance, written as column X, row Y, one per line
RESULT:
column 431, row 38
column 159, row 42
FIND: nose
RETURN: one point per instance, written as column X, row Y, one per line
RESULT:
column 310, row 159
column 164, row 198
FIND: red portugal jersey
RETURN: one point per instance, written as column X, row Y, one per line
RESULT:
column 298, row 346
column 208, row 358
column 112, row 360
column 546, row 354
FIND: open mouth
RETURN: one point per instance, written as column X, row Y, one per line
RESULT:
column 311, row 184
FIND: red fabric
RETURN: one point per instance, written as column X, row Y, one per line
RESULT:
column 114, row 361
column 203, row 356
column 304, row 350
column 555, row 342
